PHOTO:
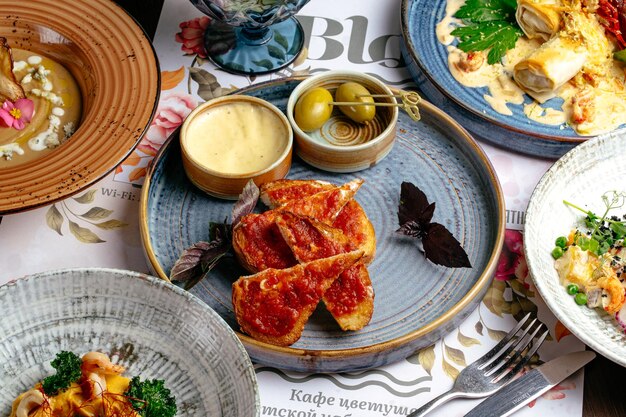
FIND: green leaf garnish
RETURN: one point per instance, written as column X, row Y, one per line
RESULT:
column 150, row 398
column 67, row 365
column 490, row 24
column 604, row 231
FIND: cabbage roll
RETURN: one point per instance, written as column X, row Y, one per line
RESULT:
column 550, row 66
column 539, row 18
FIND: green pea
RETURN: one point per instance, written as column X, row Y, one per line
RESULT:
column 572, row 289
column 581, row 298
column 561, row 242
column 557, row 252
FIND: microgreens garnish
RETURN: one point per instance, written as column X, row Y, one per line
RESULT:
column 489, row 24
column 603, row 231
column 198, row 260
column 414, row 215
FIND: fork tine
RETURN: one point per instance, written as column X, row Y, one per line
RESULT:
column 503, row 345
column 504, row 377
column 509, row 358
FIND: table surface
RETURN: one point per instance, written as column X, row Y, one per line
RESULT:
column 604, row 392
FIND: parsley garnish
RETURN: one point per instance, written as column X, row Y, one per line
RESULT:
column 489, row 24
column 67, row 365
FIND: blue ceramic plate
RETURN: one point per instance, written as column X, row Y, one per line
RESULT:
column 416, row 301
column 427, row 61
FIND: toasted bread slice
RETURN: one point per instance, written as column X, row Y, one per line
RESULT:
column 278, row 192
column 326, row 205
column 274, row 305
column 350, row 299
column 352, row 220
column 257, row 241
column 258, row 244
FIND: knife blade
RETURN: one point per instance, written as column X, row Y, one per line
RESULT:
column 529, row 386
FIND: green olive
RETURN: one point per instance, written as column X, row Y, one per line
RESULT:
column 355, row 92
column 313, row 109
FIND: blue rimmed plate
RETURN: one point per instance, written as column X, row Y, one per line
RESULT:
column 427, row 60
column 416, row 301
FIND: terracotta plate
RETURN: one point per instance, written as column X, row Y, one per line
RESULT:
column 117, row 71
column 416, row 301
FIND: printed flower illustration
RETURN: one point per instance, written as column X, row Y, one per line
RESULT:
column 512, row 263
column 171, row 112
column 17, row 114
column 192, row 36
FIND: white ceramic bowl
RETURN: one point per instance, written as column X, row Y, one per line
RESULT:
column 153, row 328
column 581, row 176
column 342, row 145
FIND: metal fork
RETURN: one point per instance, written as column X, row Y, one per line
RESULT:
column 495, row 369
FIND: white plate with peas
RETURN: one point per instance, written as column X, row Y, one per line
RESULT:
column 573, row 237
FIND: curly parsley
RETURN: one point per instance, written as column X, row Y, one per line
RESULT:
column 489, row 24
column 67, row 365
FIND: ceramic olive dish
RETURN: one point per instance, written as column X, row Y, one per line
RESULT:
column 342, row 145
column 230, row 140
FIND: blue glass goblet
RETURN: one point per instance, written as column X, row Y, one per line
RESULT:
column 252, row 36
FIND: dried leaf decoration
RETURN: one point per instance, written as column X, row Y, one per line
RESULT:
column 450, row 370
column 426, row 358
column 455, row 355
column 208, row 86
column 97, row 213
column 170, row 79
column 54, row 219
column 466, row 340
column 95, row 216
column 86, row 198
column 83, row 234
column 414, row 216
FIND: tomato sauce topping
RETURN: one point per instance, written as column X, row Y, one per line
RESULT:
column 265, row 246
column 348, row 291
column 275, row 299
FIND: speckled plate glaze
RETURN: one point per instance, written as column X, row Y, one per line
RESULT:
column 148, row 325
column 581, row 176
column 416, row 302
column 117, row 71
column 427, row 60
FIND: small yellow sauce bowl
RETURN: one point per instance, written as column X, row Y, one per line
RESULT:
column 342, row 145
column 227, row 141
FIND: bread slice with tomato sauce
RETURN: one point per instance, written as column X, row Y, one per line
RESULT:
column 273, row 305
column 350, row 299
column 257, row 241
column 351, row 220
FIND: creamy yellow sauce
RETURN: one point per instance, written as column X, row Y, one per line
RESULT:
column 590, row 108
column 236, row 138
column 57, row 103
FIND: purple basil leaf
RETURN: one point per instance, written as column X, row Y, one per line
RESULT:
column 441, row 248
column 426, row 215
column 246, row 202
column 193, row 260
column 413, row 202
column 207, row 268
column 410, row 228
